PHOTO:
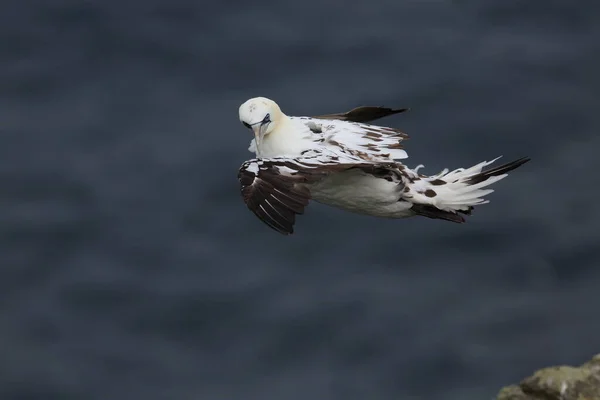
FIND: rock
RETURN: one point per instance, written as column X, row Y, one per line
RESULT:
column 558, row 383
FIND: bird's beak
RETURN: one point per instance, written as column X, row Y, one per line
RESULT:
column 257, row 129
column 259, row 132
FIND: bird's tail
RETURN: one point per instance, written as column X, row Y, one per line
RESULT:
column 449, row 193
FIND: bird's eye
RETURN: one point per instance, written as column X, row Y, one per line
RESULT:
column 266, row 119
column 247, row 125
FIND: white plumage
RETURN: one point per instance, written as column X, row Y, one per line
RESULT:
column 343, row 161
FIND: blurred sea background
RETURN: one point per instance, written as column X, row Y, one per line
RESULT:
column 131, row 269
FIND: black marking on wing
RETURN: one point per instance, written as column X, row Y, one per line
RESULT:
column 363, row 114
column 378, row 133
column 273, row 197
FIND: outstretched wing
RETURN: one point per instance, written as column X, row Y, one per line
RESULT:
column 277, row 189
column 363, row 114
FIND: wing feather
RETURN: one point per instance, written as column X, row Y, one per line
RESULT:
column 276, row 190
column 356, row 139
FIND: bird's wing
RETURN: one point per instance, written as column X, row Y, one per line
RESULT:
column 365, row 136
column 368, row 142
column 363, row 114
column 276, row 190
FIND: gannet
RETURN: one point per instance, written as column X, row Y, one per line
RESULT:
column 344, row 161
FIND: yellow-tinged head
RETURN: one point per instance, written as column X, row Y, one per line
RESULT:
column 262, row 115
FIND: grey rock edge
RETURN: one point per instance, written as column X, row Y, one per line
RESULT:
column 558, row 383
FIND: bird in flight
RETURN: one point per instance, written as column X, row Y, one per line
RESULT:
column 343, row 161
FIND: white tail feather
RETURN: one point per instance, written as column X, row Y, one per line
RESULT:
column 456, row 190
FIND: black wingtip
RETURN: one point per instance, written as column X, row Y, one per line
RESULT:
column 387, row 111
column 370, row 114
column 513, row 164
column 364, row 114
column 500, row 170
column 429, row 211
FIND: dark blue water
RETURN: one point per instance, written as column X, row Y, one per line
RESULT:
column 131, row 269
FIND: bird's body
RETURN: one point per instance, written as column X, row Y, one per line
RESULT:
column 342, row 161
column 362, row 193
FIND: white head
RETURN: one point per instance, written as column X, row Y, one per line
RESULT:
column 261, row 115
